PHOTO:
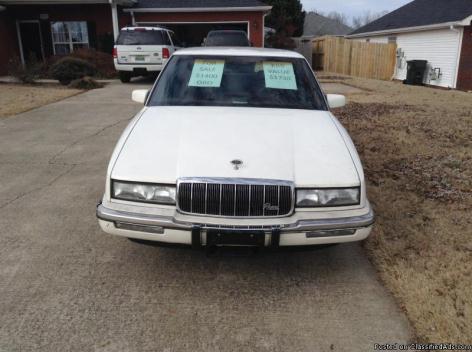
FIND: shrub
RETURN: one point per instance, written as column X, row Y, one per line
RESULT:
column 105, row 43
column 85, row 83
column 67, row 69
column 103, row 62
column 27, row 73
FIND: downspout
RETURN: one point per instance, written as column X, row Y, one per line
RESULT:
column 114, row 19
column 459, row 53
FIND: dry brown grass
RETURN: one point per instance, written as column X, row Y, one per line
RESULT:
column 15, row 98
column 416, row 146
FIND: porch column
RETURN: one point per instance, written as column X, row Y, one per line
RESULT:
column 114, row 18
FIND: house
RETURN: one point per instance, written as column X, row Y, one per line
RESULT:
column 317, row 25
column 56, row 27
column 438, row 31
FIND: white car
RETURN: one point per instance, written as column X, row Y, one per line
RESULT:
column 236, row 147
column 143, row 50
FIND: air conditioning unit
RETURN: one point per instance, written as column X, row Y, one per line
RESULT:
column 435, row 74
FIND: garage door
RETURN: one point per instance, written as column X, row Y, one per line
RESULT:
column 192, row 34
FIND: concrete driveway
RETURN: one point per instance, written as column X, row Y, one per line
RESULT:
column 66, row 286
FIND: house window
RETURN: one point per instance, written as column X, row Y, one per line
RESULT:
column 392, row 40
column 69, row 36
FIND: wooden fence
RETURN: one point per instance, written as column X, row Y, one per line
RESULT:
column 354, row 58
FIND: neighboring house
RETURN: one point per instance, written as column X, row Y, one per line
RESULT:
column 438, row 31
column 317, row 25
column 55, row 27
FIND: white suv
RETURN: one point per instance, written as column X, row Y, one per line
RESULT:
column 143, row 50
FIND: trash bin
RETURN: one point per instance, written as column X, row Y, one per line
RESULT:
column 415, row 72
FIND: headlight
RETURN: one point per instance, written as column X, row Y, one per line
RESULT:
column 139, row 192
column 335, row 197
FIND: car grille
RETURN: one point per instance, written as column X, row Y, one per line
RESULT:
column 235, row 198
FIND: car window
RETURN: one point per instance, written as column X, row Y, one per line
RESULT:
column 227, row 39
column 141, row 37
column 239, row 81
column 167, row 38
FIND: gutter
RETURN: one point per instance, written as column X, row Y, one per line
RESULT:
column 407, row 29
column 201, row 9
column 65, row 2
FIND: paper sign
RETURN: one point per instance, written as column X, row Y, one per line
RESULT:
column 207, row 73
column 279, row 75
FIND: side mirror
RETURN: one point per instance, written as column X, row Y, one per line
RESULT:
column 140, row 95
column 336, row 101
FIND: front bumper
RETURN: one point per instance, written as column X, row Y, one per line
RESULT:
column 168, row 229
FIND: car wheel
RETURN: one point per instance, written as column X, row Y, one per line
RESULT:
column 125, row 77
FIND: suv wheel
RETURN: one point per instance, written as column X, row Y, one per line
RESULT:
column 125, row 77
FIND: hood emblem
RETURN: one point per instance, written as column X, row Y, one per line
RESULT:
column 237, row 164
column 268, row 206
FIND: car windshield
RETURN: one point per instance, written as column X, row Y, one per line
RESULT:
column 241, row 81
column 227, row 38
column 140, row 37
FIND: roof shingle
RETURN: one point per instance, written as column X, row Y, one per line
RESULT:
column 420, row 13
column 318, row 25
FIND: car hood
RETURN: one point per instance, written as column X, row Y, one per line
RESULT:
column 302, row 146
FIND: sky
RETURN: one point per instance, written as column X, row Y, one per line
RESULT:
column 353, row 7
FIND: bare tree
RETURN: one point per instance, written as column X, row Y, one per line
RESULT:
column 366, row 17
column 338, row 17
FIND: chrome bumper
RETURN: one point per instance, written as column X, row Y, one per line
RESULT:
column 356, row 222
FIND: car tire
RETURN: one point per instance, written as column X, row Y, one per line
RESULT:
column 125, row 77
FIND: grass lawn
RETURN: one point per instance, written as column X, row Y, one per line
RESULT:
column 15, row 98
column 416, row 147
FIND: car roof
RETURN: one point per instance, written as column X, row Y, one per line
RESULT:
column 145, row 28
column 239, row 51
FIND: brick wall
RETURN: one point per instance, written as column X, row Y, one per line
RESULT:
column 464, row 78
column 8, row 41
column 256, row 20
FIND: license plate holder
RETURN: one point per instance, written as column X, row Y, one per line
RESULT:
column 139, row 58
column 246, row 238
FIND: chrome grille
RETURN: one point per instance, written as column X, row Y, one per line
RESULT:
column 235, row 197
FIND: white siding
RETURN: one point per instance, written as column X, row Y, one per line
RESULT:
column 441, row 48
column 379, row 40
